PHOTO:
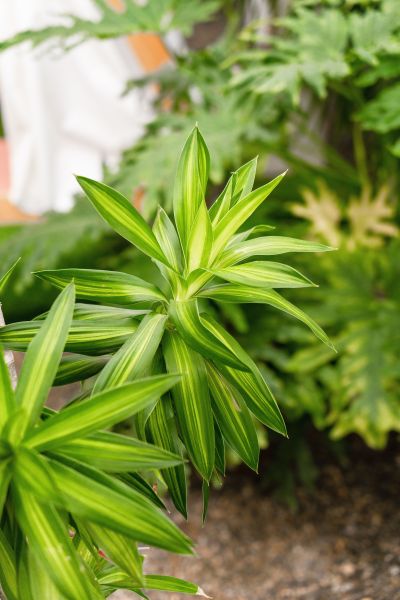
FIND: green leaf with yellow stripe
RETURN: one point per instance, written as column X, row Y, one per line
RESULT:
column 192, row 402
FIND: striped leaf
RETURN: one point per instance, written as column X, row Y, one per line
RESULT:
column 77, row 367
column 100, row 411
column 241, row 293
column 190, row 184
column 41, row 360
column 239, row 185
column 267, row 246
column 239, row 213
column 83, row 337
column 138, row 483
column 7, row 401
column 5, row 472
column 251, row 384
column 48, row 538
column 264, row 274
column 122, row 216
column 167, row 237
column 96, row 312
column 249, row 233
column 186, row 318
column 121, row 550
column 200, row 240
column 116, row 453
column 116, row 579
column 8, row 575
column 192, row 403
column 4, row 279
column 163, row 433
column 134, row 358
column 100, row 499
column 110, row 287
column 219, row 450
column 234, row 418
column 37, row 584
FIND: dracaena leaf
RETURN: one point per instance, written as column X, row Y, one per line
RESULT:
column 192, row 402
column 134, row 358
column 266, row 246
column 239, row 213
column 37, row 584
column 99, row 411
column 234, row 418
column 8, row 575
column 7, row 401
column 96, row 312
column 110, row 287
column 48, row 537
column 120, row 549
column 186, row 318
column 5, row 473
column 84, row 336
column 122, row 216
column 241, row 293
column 117, row 579
column 167, row 237
column 41, row 360
column 190, row 184
column 200, row 240
column 239, row 185
column 77, row 367
column 264, row 274
column 5, row 278
column 250, row 384
column 162, row 428
column 138, row 483
column 100, row 499
column 116, row 453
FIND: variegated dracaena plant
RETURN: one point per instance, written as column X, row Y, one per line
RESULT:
column 203, row 255
column 72, row 508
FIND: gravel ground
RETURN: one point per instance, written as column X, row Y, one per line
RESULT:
column 342, row 543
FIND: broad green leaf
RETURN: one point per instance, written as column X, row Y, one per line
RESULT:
column 167, row 237
column 251, row 384
column 222, row 204
column 7, row 401
column 134, row 358
column 8, row 575
column 85, row 337
column 41, row 360
column 48, row 538
column 122, row 216
column 267, row 246
column 234, row 418
column 23, row 579
column 264, row 274
column 4, row 279
column 116, row 453
column 121, row 550
column 186, row 318
column 200, row 240
column 100, row 411
column 110, row 287
column 238, row 214
column 77, row 367
column 163, row 433
column 100, row 499
column 190, row 184
column 241, row 293
column 192, row 402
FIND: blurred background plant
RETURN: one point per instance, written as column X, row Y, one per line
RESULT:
column 312, row 84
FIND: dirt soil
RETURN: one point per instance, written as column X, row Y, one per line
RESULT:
column 342, row 543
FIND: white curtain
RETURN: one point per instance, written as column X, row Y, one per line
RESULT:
column 63, row 113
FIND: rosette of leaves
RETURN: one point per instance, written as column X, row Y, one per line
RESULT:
column 72, row 507
column 201, row 256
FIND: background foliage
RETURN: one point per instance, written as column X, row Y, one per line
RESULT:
column 317, row 89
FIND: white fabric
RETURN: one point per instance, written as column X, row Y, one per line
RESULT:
column 63, row 113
